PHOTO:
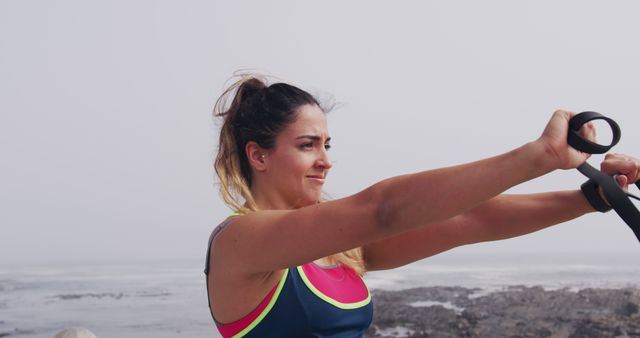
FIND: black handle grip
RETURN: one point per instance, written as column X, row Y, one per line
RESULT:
column 578, row 142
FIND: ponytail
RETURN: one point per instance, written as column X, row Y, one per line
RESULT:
column 234, row 175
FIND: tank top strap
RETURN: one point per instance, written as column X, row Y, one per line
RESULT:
column 213, row 235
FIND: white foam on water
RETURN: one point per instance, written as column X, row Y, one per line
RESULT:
column 429, row 303
column 395, row 332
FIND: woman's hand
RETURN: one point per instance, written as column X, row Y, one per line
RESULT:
column 554, row 139
column 626, row 168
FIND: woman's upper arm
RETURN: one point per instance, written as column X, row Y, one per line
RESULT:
column 266, row 241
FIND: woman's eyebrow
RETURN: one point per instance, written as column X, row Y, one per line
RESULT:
column 313, row 137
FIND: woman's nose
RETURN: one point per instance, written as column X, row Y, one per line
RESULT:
column 323, row 160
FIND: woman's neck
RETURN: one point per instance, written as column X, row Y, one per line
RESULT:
column 268, row 198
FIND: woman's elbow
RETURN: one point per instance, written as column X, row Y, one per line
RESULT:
column 379, row 208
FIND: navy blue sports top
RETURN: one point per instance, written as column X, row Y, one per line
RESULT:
column 309, row 301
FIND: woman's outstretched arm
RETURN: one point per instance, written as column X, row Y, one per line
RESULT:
column 266, row 241
column 501, row 217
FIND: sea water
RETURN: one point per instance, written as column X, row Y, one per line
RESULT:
column 163, row 300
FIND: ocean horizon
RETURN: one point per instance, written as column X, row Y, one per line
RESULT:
column 167, row 299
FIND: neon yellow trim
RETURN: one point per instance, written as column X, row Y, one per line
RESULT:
column 266, row 310
column 341, row 305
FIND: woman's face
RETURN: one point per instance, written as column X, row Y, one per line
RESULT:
column 299, row 163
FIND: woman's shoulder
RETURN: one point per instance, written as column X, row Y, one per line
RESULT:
column 214, row 234
column 223, row 225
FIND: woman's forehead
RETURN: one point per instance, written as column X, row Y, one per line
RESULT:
column 310, row 120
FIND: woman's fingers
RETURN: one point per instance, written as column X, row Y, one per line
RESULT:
column 554, row 137
column 621, row 165
column 588, row 132
column 622, row 181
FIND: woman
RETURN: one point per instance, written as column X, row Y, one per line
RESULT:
column 286, row 265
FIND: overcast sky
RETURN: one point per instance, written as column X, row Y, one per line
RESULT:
column 107, row 138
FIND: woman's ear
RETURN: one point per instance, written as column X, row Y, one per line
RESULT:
column 256, row 156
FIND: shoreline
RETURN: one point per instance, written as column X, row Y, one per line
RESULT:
column 433, row 311
column 444, row 296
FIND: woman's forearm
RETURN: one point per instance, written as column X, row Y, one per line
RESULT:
column 419, row 199
column 501, row 217
column 507, row 216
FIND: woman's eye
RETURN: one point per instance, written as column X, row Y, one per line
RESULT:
column 327, row 146
column 306, row 145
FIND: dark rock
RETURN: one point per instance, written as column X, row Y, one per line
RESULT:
column 527, row 312
column 628, row 309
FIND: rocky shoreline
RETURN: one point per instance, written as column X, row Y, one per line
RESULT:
column 514, row 312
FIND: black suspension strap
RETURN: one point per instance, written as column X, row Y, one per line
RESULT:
column 618, row 199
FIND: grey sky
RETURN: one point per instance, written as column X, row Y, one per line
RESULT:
column 107, row 138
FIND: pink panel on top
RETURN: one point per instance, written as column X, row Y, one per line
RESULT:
column 340, row 283
column 233, row 328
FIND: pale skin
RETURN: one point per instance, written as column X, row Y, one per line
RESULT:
column 390, row 219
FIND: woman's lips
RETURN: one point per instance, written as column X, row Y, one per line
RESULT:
column 316, row 178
